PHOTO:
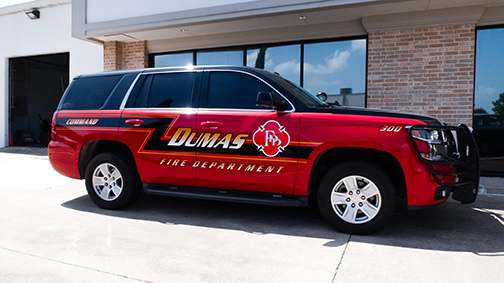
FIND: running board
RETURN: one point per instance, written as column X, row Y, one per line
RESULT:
column 225, row 195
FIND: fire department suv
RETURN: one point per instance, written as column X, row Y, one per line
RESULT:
column 246, row 135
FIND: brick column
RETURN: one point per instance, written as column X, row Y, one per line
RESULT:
column 124, row 55
column 135, row 55
column 423, row 70
column 112, row 55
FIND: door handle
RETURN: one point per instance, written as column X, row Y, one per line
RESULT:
column 135, row 122
column 211, row 124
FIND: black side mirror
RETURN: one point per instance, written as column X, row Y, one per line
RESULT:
column 322, row 96
column 265, row 99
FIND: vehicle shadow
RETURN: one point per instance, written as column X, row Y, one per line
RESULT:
column 256, row 219
column 476, row 228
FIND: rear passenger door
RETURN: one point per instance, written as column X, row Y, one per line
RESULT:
column 158, row 109
column 240, row 145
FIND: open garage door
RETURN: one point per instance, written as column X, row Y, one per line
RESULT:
column 36, row 84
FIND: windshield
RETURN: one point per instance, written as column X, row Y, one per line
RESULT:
column 300, row 93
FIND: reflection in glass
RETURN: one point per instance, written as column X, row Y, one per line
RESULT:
column 338, row 69
column 233, row 58
column 488, row 122
column 489, row 72
column 281, row 59
column 173, row 60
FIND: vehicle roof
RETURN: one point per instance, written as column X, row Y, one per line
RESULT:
column 174, row 69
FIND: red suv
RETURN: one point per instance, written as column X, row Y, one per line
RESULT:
column 246, row 135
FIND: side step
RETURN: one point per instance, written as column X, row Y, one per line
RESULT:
column 226, row 195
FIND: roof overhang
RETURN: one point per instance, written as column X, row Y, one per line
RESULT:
column 246, row 22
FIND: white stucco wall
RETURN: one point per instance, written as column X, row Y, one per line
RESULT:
column 99, row 10
column 20, row 36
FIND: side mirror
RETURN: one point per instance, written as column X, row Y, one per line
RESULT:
column 265, row 99
column 322, row 96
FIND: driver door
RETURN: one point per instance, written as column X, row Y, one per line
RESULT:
column 242, row 146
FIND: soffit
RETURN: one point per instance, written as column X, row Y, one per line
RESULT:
column 305, row 23
column 317, row 16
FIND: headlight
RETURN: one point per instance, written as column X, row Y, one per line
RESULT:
column 432, row 144
column 451, row 155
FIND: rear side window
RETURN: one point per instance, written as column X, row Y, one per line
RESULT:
column 89, row 93
column 171, row 90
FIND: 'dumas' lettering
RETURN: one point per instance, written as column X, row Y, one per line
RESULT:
column 187, row 137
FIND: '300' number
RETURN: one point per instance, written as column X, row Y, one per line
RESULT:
column 391, row 129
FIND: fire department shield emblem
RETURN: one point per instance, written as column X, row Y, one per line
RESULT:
column 271, row 138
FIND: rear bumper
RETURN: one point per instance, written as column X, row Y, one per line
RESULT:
column 63, row 159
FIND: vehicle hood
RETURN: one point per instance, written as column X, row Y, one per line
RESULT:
column 381, row 113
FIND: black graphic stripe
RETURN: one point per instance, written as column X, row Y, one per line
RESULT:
column 87, row 122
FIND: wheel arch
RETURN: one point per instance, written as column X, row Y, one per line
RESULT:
column 92, row 148
column 382, row 159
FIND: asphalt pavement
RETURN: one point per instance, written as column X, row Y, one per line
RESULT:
column 50, row 231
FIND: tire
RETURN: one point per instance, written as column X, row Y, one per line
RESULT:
column 112, row 181
column 356, row 197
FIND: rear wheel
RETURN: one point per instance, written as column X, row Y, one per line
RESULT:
column 112, row 181
column 356, row 197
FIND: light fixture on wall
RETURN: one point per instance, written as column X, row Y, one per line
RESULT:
column 33, row 14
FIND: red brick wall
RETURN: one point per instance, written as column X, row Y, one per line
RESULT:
column 423, row 70
column 135, row 55
column 112, row 55
column 124, row 55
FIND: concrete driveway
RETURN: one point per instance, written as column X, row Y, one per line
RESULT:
column 50, row 231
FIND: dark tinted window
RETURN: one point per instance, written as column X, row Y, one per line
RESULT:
column 167, row 90
column 488, row 121
column 235, row 90
column 116, row 97
column 300, row 93
column 138, row 97
column 89, row 93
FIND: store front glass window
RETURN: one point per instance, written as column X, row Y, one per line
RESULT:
column 284, row 60
column 234, row 58
column 488, row 122
column 173, row 60
column 338, row 69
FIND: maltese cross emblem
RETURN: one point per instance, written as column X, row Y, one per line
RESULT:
column 271, row 138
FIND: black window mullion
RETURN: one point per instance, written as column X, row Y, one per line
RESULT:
column 301, row 66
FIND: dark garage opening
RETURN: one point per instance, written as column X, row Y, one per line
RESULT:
column 36, row 84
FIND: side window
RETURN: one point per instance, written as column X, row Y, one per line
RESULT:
column 172, row 90
column 89, row 93
column 234, row 90
column 116, row 97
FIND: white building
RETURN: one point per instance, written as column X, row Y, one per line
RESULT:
column 37, row 60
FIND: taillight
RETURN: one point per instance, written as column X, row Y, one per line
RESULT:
column 53, row 126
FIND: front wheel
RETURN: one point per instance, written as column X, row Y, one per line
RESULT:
column 356, row 197
column 112, row 181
